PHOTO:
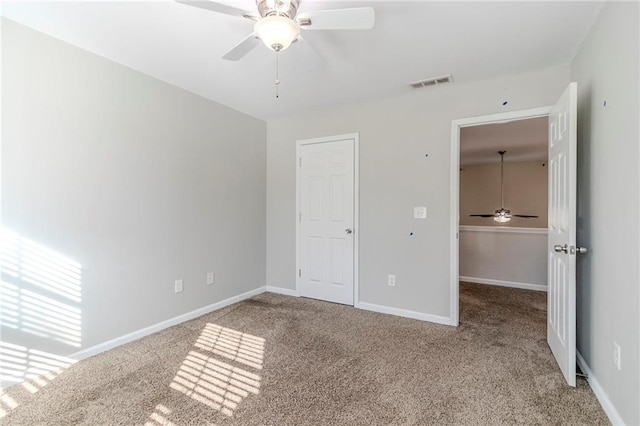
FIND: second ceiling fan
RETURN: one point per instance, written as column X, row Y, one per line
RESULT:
column 503, row 215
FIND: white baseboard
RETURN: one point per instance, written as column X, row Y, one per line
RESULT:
column 113, row 343
column 607, row 405
column 513, row 284
column 405, row 313
column 110, row 344
column 284, row 291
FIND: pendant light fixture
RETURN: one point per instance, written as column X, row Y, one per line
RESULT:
column 502, row 215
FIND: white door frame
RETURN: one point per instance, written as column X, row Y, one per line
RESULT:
column 456, row 125
column 356, row 207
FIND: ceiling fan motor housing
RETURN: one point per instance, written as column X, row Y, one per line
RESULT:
column 288, row 8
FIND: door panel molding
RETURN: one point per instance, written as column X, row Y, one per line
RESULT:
column 336, row 187
column 561, row 306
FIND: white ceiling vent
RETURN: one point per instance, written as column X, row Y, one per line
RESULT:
column 432, row 81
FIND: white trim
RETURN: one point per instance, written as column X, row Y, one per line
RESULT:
column 297, row 217
column 405, row 313
column 356, row 220
column 501, row 283
column 605, row 402
column 454, row 245
column 454, row 190
column 283, row 291
column 356, row 207
column 110, row 344
column 503, row 117
column 506, row 229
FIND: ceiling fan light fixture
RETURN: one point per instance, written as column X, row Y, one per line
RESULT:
column 502, row 216
column 277, row 32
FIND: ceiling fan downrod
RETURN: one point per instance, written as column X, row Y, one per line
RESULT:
column 502, row 179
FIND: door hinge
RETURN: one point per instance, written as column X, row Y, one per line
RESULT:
column 300, row 272
column 299, row 217
column 300, row 162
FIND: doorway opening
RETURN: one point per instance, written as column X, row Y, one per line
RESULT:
column 503, row 237
column 481, row 162
column 503, row 202
column 562, row 249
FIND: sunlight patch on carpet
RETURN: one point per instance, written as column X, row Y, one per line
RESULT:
column 215, row 383
column 231, row 344
column 7, row 404
column 159, row 417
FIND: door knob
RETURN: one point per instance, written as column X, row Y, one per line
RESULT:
column 348, row 230
column 561, row 249
column 581, row 250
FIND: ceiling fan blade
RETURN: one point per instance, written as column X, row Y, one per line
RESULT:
column 312, row 60
column 359, row 18
column 482, row 215
column 218, row 7
column 242, row 48
column 526, row 216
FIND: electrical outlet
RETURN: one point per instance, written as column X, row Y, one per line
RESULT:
column 178, row 286
column 210, row 278
column 391, row 280
column 617, row 356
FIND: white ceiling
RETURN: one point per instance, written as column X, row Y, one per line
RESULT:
column 411, row 41
column 524, row 140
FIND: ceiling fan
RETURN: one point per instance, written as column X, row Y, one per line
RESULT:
column 278, row 22
column 502, row 215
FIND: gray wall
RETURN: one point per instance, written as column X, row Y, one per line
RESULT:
column 395, row 175
column 139, row 182
column 507, row 256
column 606, row 69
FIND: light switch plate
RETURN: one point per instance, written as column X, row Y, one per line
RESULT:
column 419, row 212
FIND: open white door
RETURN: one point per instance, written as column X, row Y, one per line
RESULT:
column 561, row 298
column 326, row 219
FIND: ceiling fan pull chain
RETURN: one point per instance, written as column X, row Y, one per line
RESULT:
column 277, row 82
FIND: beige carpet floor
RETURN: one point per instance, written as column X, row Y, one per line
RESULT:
column 277, row 360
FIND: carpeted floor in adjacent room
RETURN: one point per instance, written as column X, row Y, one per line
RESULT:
column 278, row 360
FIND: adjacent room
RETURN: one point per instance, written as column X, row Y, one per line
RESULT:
column 305, row 212
column 504, row 166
